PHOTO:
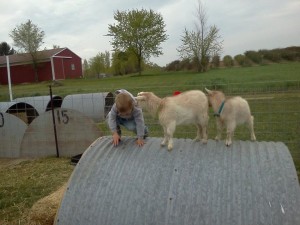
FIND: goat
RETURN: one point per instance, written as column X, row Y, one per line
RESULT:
column 230, row 112
column 190, row 107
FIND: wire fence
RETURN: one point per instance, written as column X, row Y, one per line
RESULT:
column 275, row 106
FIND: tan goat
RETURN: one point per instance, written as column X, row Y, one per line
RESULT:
column 190, row 107
column 230, row 113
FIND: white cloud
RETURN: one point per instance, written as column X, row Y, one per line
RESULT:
column 80, row 25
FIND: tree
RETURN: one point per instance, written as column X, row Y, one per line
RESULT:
column 100, row 63
column 202, row 43
column 97, row 64
column 28, row 37
column 228, row 61
column 256, row 57
column 5, row 49
column 138, row 31
column 123, row 62
column 86, row 68
column 215, row 61
column 240, row 59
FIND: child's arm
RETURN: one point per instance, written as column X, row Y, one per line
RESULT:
column 140, row 125
column 140, row 142
column 116, row 138
column 112, row 123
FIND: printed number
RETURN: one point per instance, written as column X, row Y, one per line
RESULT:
column 1, row 120
column 62, row 116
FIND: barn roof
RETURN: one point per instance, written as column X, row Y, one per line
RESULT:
column 247, row 183
column 26, row 58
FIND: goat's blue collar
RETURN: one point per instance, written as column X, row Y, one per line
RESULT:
column 220, row 109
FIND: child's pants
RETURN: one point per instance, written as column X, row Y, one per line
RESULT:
column 129, row 124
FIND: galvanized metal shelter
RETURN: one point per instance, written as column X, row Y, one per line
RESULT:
column 74, row 132
column 19, row 109
column 12, row 130
column 41, row 103
column 247, row 183
column 93, row 105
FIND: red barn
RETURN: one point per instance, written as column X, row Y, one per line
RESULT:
column 53, row 64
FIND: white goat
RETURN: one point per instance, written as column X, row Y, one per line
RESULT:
column 230, row 112
column 190, row 107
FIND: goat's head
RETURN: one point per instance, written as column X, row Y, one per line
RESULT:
column 148, row 101
column 208, row 91
column 143, row 96
column 215, row 97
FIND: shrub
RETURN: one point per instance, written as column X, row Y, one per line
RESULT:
column 240, row 59
column 228, row 61
column 272, row 55
column 173, row 66
column 254, row 56
column 215, row 61
column 289, row 55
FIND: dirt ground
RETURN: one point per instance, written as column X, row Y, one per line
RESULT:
column 5, row 162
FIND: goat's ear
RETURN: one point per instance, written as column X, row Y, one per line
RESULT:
column 208, row 91
column 140, row 98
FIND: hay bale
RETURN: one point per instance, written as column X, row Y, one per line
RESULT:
column 44, row 210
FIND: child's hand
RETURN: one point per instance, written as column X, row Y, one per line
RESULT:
column 140, row 142
column 116, row 138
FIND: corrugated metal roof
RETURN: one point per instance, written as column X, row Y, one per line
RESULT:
column 24, row 58
column 248, row 183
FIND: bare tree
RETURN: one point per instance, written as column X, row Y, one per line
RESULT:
column 202, row 43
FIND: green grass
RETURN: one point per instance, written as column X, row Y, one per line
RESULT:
column 25, row 183
column 250, row 77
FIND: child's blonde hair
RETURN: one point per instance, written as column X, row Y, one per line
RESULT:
column 124, row 102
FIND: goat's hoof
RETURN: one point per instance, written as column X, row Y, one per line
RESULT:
column 162, row 144
column 197, row 139
column 228, row 144
column 204, row 141
column 170, row 148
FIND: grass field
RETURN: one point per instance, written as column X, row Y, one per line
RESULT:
column 251, row 77
column 273, row 92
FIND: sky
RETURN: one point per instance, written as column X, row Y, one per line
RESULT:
column 80, row 25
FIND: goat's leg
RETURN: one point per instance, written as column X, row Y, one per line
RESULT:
column 199, row 133
column 219, row 130
column 251, row 128
column 170, row 131
column 230, row 132
column 165, row 140
column 204, row 134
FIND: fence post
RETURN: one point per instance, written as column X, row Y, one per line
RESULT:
column 54, row 124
